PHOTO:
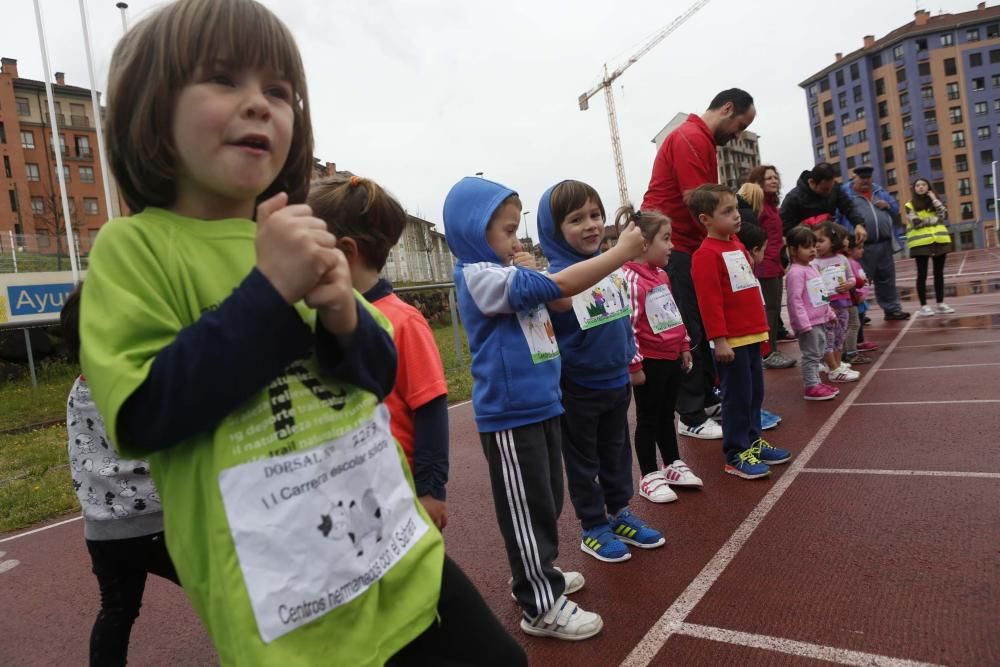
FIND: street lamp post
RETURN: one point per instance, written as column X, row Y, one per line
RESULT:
column 479, row 174
column 123, row 6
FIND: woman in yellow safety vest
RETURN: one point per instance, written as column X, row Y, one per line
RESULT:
column 927, row 237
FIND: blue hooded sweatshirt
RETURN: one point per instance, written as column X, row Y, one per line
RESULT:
column 596, row 358
column 510, row 388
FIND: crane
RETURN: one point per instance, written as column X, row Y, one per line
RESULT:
column 605, row 84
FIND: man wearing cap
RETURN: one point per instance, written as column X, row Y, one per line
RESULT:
column 871, row 202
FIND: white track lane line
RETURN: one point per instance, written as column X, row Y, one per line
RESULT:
column 903, row 473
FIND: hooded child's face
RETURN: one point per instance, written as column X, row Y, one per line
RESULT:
column 583, row 228
column 501, row 233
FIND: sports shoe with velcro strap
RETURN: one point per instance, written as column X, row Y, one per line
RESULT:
column 564, row 620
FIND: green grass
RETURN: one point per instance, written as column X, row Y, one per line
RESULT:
column 455, row 372
column 24, row 405
column 35, row 483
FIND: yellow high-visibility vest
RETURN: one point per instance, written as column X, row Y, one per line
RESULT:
column 932, row 228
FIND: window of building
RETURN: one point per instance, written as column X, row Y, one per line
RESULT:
column 938, row 186
column 851, row 162
column 955, row 113
column 904, row 99
column 886, row 131
column 910, row 145
column 876, row 61
column 993, row 30
column 901, row 75
column 911, row 168
column 824, row 85
column 23, row 106
column 66, row 172
column 907, row 122
column 6, row 167
column 13, row 200
column 961, row 162
column 887, row 153
column 936, row 166
column 839, row 77
column 930, row 116
column 927, row 93
column 953, row 92
column 38, row 206
column 863, row 135
column 845, row 118
column 979, row 83
column 988, row 181
column 890, row 177
column 967, row 214
column 82, row 146
column 972, row 35
column 90, row 205
column 834, row 152
column 841, row 100
column 27, row 139
column 996, row 106
column 995, row 56
column 86, row 174
column 812, row 90
column 975, row 59
column 986, row 156
column 857, row 94
column 932, row 140
column 3, row 134
column 828, row 108
column 821, row 154
column 859, row 113
column 947, row 39
column 32, row 170
column 817, row 131
column 883, row 109
column 897, row 52
column 981, row 108
column 990, row 204
column 831, row 128
column 848, row 139
column 949, row 67
column 924, row 69
column 880, row 86
column 958, row 139
column 995, row 80
column 813, row 111
column 983, row 132
column 866, row 158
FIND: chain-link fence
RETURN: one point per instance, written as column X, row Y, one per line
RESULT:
column 27, row 253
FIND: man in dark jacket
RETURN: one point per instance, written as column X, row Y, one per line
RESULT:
column 817, row 193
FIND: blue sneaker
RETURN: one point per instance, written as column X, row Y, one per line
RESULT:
column 747, row 465
column 603, row 545
column 768, row 420
column 632, row 530
column 769, row 455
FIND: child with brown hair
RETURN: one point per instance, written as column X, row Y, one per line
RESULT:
column 838, row 281
column 732, row 311
column 662, row 356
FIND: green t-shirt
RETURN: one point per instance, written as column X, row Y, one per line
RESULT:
column 293, row 524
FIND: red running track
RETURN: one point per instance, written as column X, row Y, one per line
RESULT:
column 878, row 544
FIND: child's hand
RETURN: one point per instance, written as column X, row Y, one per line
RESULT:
column 333, row 297
column 294, row 249
column 844, row 287
column 437, row 509
column 723, row 352
column 686, row 362
column 638, row 378
column 631, row 242
column 525, row 260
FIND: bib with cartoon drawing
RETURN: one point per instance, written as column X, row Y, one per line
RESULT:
column 605, row 302
column 833, row 277
column 816, row 292
column 536, row 325
column 661, row 310
column 740, row 272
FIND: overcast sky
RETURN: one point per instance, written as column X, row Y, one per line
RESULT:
column 418, row 94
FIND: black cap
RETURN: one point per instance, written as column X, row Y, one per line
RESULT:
column 864, row 170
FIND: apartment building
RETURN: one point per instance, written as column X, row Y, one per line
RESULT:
column 736, row 158
column 32, row 209
column 922, row 101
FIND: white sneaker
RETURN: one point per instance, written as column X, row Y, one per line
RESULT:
column 574, row 582
column 710, row 430
column 653, row 488
column 927, row 310
column 844, row 375
column 714, row 411
column 944, row 308
column 678, row 474
column 565, row 620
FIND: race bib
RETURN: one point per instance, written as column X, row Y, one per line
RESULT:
column 605, row 302
column 661, row 310
column 816, row 291
column 536, row 325
column 833, row 277
column 741, row 275
column 317, row 528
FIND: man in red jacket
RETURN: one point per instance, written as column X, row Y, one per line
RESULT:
column 685, row 160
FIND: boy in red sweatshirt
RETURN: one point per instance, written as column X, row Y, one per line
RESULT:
column 729, row 299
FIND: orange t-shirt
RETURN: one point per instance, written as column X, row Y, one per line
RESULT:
column 419, row 371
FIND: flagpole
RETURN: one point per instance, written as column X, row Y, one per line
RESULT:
column 102, row 153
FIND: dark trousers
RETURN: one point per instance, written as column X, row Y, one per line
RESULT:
column 696, row 387
column 597, row 451
column 878, row 262
column 654, row 413
column 939, row 261
column 527, row 481
column 742, row 397
column 121, row 567
column 771, row 288
column 465, row 632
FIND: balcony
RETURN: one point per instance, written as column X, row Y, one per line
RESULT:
column 911, row 155
column 928, row 103
column 937, row 175
column 62, row 149
column 60, row 119
column 931, row 125
column 85, row 153
column 923, row 55
column 79, row 121
column 904, row 110
column 927, row 80
column 901, row 85
column 908, row 132
column 934, row 151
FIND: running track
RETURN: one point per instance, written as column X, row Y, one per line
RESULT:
column 878, row 545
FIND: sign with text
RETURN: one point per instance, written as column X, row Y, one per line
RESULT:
column 34, row 298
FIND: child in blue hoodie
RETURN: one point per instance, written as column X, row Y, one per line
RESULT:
column 595, row 337
column 515, row 394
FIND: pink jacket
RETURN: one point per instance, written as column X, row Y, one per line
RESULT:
column 642, row 278
column 802, row 314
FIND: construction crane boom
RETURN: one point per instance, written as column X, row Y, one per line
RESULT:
column 605, row 84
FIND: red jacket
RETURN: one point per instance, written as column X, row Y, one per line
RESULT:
column 686, row 159
column 642, row 279
column 770, row 222
column 726, row 313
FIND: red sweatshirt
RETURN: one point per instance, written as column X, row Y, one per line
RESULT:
column 685, row 160
column 653, row 306
column 729, row 295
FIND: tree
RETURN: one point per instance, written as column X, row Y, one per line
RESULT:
column 51, row 221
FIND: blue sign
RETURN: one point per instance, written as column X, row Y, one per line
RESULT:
column 28, row 300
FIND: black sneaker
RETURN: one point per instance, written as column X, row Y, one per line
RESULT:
column 897, row 315
column 866, row 320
